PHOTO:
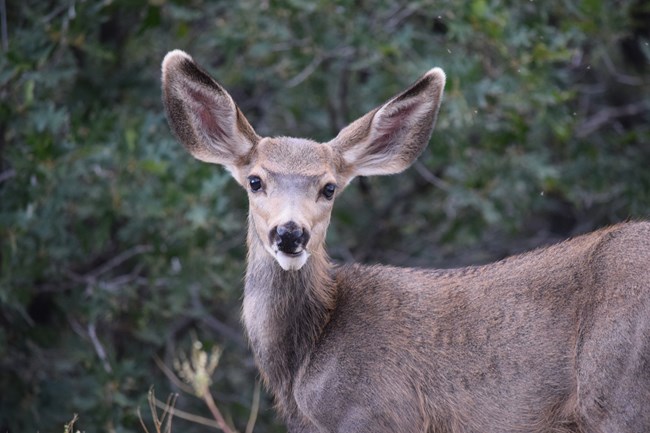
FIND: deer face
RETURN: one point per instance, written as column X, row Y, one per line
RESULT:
column 292, row 182
column 291, row 186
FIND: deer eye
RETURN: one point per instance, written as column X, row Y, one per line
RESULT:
column 328, row 191
column 255, row 183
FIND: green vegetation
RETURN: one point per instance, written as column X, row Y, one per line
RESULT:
column 117, row 248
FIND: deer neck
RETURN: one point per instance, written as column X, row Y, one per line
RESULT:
column 285, row 312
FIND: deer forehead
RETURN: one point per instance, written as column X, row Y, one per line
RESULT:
column 296, row 156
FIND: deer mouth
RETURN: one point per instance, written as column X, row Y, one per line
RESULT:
column 291, row 260
column 289, row 249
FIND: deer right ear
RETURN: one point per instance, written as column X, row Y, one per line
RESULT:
column 202, row 115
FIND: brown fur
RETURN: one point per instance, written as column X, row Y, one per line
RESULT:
column 555, row 340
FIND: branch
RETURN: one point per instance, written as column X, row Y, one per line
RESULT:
column 90, row 278
column 608, row 114
column 119, row 259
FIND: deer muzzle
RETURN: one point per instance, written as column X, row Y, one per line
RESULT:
column 289, row 238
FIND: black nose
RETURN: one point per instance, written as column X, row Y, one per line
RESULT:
column 289, row 238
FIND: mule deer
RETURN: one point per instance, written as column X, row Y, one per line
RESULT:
column 555, row 340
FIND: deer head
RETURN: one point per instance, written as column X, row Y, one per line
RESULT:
column 292, row 182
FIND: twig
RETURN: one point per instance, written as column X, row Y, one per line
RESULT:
column 167, row 416
column 49, row 17
column 207, row 398
column 197, row 370
column 172, row 377
column 306, row 72
column 171, row 402
column 119, row 259
column 216, row 413
column 91, row 332
column 144, row 426
column 255, row 407
column 69, row 427
column 608, row 114
column 76, row 326
column 90, row 278
column 99, row 349
column 621, row 78
column 399, row 16
column 115, row 284
column 187, row 416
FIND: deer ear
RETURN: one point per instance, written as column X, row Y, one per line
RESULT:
column 202, row 115
column 389, row 139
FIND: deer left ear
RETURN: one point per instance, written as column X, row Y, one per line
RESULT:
column 389, row 139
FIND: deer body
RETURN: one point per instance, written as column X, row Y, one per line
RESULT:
column 555, row 340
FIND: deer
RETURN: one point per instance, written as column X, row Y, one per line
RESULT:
column 552, row 340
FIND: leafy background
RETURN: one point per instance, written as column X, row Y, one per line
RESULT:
column 116, row 247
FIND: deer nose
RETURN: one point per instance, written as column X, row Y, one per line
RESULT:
column 290, row 238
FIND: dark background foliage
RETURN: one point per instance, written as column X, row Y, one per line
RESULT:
column 117, row 247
